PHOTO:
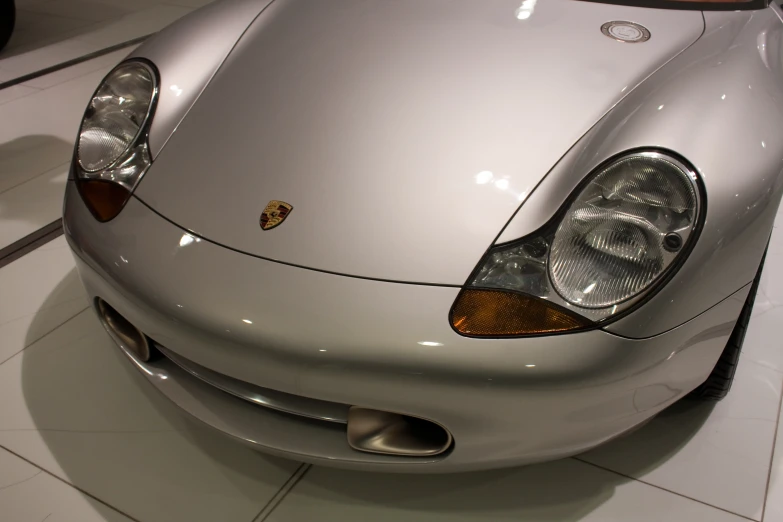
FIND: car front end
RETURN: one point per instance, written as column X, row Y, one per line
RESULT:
column 473, row 259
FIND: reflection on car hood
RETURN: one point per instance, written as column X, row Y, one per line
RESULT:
column 404, row 134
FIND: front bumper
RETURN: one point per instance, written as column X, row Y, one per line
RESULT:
column 357, row 342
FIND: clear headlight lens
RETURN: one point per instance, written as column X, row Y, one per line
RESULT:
column 115, row 116
column 112, row 146
column 618, row 236
column 622, row 231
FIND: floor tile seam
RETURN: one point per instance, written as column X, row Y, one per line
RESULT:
column 43, row 335
column 656, row 486
column 34, row 176
column 67, row 483
column 771, row 459
column 282, row 493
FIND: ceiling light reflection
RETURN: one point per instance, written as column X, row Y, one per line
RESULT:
column 187, row 239
column 525, row 11
column 484, row 177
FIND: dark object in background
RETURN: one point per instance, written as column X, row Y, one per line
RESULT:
column 7, row 20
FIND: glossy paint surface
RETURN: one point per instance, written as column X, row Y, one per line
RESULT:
column 73, row 405
column 274, row 400
column 718, row 105
column 187, row 55
column 364, row 142
column 403, row 156
column 381, row 345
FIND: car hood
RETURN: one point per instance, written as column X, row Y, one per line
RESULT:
column 404, row 134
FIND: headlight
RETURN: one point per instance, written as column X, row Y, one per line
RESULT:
column 622, row 233
column 623, row 230
column 112, row 152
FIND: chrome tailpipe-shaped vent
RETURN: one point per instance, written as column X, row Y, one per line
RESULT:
column 388, row 433
column 123, row 332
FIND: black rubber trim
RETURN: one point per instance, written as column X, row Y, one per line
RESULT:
column 718, row 384
column 30, row 242
column 685, row 5
column 74, row 61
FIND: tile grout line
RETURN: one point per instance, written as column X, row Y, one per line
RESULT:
column 77, row 488
column 664, row 489
column 763, row 365
column 34, row 90
column 92, row 66
column 74, row 61
column 771, row 459
column 46, row 334
column 278, row 497
column 33, row 12
column 171, row 4
column 64, row 163
column 30, row 242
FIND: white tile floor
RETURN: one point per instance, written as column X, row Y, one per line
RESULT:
column 82, row 437
column 49, row 32
column 36, row 148
column 28, row 493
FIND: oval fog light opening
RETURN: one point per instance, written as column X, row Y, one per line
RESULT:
column 387, row 433
column 122, row 331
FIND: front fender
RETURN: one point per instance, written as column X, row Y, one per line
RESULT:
column 719, row 104
column 188, row 53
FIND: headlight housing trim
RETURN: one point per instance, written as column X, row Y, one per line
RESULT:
column 682, row 189
column 131, row 164
column 548, row 230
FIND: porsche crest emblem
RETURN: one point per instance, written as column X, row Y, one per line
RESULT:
column 274, row 214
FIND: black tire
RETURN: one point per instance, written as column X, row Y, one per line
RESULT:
column 719, row 382
column 7, row 21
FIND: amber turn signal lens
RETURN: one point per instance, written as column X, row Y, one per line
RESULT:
column 496, row 313
column 105, row 199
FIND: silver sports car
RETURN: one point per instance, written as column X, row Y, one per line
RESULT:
column 433, row 235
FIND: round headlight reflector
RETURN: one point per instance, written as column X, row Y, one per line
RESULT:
column 623, row 230
column 115, row 116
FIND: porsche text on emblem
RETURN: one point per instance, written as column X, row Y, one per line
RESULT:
column 627, row 32
column 274, row 214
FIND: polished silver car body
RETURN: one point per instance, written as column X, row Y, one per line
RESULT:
column 373, row 119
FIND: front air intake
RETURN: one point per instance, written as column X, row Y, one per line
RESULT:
column 374, row 431
column 122, row 331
